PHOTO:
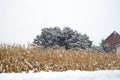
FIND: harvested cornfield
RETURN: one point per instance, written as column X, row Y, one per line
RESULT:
column 17, row 58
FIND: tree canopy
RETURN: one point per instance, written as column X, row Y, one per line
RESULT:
column 65, row 38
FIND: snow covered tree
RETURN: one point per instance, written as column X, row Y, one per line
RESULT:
column 48, row 37
column 65, row 38
column 104, row 46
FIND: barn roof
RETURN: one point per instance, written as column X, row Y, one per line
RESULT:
column 112, row 34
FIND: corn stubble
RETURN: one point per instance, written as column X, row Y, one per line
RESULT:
column 17, row 58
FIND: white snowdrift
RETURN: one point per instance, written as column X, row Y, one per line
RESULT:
column 67, row 75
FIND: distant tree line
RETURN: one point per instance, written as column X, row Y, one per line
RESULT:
column 66, row 38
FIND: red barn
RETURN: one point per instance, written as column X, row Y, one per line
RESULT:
column 112, row 40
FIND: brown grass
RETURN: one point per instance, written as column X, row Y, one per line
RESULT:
column 17, row 58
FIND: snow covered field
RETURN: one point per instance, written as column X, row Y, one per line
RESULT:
column 67, row 75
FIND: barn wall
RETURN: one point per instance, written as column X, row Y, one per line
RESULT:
column 113, row 40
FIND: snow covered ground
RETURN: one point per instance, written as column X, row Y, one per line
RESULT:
column 67, row 75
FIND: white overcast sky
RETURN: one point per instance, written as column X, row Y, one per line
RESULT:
column 22, row 20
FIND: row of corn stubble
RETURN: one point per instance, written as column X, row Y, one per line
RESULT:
column 18, row 58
